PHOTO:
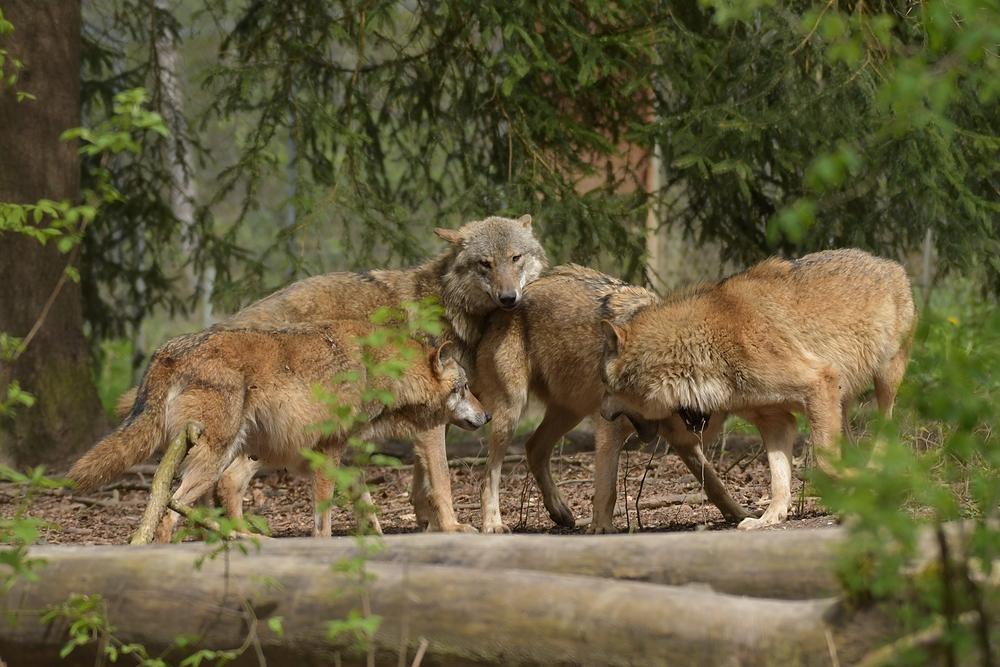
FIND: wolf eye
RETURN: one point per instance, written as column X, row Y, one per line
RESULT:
column 485, row 263
column 515, row 258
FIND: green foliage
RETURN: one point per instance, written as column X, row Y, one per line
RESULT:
column 335, row 135
column 86, row 619
column 857, row 124
column 65, row 222
column 21, row 530
column 942, row 466
column 387, row 352
column 114, row 376
column 8, row 78
column 211, row 526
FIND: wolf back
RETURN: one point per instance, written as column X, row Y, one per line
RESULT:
column 785, row 335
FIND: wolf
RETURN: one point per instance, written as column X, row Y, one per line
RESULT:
column 252, row 392
column 802, row 335
column 550, row 347
column 485, row 267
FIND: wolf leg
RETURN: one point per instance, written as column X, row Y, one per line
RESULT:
column 538, row 449
column 219, row 409
column 504, row 423
column 688, row 448
column 323, row 494
column 368, row 512
column 500, row 381
column 233, row 484
column 323, row 489
column 609, row 438
column 887, row 382
column 200, row 472
column 434, row 495
column 823, row 409
column 777, row 430
column 419, row 492
column 322, row 499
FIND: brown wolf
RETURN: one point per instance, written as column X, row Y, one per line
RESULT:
column 803, row 335
column 550, row 346
column 252, row 391
column 486, row 266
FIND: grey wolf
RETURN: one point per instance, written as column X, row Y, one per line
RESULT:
column 252, row 392
column 485, row 267
column 801, row 335
column 550, row 346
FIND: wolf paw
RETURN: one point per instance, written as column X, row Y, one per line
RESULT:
column 736, row 514
column 751, row 523
column 593, row 529
column 496, row 529
column 563, row 515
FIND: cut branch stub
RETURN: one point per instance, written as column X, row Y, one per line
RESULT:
column 159, row 489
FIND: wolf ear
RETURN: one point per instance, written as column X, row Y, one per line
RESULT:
column 444, row 354
column 614, row 337
column 449, row 235
column 525, row 221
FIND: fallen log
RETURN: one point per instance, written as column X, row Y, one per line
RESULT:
column 467, row 616
column 792, row 565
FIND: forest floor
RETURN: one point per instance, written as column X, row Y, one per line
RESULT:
column 669, row 498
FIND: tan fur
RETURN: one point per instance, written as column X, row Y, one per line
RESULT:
column 551, row 347
column 485, row 267
column 252, row 391
column 783, row 336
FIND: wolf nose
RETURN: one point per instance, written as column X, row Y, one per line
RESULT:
column 488, row 418
column 508, row 299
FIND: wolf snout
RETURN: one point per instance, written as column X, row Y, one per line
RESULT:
column 508, row 299
column 475, row 422
column 610, row 408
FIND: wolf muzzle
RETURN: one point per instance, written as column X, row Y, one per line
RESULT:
column 470, row 425
column 508, row 300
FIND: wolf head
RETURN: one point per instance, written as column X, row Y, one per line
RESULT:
column 464, row 410
column 619, row 397
column 492, row 261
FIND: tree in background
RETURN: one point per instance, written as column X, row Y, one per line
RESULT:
column 54, row 367
column 799, row 126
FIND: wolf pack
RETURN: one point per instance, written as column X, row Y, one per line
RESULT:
column 803, row 335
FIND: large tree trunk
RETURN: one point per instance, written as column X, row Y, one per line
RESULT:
column 35, row 165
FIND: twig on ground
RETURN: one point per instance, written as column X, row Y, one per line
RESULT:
column 929, row 636
column 642, row 483
column 418, row 658
column 108, row 503
column 651, row 504
column 191, row 514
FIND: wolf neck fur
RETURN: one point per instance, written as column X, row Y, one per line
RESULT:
column 465, row 314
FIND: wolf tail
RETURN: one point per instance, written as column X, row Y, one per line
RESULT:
column 133, row 441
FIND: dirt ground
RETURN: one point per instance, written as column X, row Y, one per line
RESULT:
column 669, row 498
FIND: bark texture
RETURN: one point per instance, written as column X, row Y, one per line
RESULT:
column 35, row 165
column 469, row 616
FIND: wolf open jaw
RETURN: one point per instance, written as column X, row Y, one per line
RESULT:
column 485, row 267
column 803, row 335
column 252, row 392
